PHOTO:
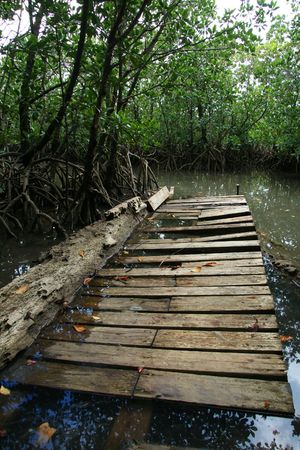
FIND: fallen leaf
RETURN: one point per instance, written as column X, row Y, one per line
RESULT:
column 254, row 327
column 87, row 281
column 121, row 278
column 96, row 318
column 141, row 259
column 197, row 269
column 3, row 432
column 266, row 404
column 79, row 328
column 210, row 264
column 30, row 362
column 285, row 338
column 4, row 391
column 81, row 253
column 22, row 289
column 45, row 433
column 125, row 252
column 140, row 369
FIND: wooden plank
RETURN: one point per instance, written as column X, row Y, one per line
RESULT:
column 220, row 237
column 180, row 291
column 97, row 380
column 233, row 264
column 101, row 335
column 174, row 258
column 221, row 363
column 201, row 228
column 173, row 320
column 209, row 246
column 122, row 304
column 225, row 212
column 222, row 280
column 125, row 427
column 241, row 393
column 158, row 198
column 217, row 198
column 146, row 446
column 134, row 282
column 245, row 341
column 192, row 270
column 224, row 303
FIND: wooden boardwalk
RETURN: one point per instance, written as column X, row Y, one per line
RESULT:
column 183, row 314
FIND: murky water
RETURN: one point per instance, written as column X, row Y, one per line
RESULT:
column 86, row 421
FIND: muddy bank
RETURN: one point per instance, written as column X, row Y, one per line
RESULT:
column 31, row 301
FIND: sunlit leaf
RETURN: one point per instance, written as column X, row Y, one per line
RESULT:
column 31, row 362
column 140, row 369
column 141, row 259
column 266, row 404
column 45, row 433
column 4, row 391
column 125, row 252
column 210, row 264
column 96, row 318
column 79, row 328
column 22, row 289
column 286, row 338
column 197, row 269
column 87, row 281
column 123, row 278
column 81, row 253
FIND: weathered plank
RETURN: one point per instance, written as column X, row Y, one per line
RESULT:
column 125, row 427
column 212, row 199
column 216, row 391
column 222, row 280
column 134, row 282
column 224, row 303
column 245, row 341
column 158, row 198
column 192, row 270
column 146, row 446
column 233, row 264
column 180, row 291
column 216, row 237
column 99, row 380
column 101, row 335
column 208, row 246
column 224, row 212
column 222, row 363
column 201, row 228
column 178, row 257
column 122, row 304
column 176, row 320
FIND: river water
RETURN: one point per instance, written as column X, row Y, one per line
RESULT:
column 85, row 421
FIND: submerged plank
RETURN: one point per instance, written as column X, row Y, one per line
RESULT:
column 201, row 228
column 245, row 322
column 214, row 237
column 245, row 341
column 241, row 393
column 222, row 363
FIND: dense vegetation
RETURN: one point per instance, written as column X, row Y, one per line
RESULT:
column 92, row 91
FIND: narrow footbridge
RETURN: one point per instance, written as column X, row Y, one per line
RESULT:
column 184, row 314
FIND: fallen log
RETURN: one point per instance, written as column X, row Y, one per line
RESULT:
column 31, row 302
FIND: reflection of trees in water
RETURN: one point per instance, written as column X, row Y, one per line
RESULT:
column 287, row 300
column 180, row 425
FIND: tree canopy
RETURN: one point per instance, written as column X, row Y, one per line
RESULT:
column 92, row 91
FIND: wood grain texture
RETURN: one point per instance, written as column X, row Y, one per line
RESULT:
column 222, row 363
column 200, row 246
column 224, row 303
column 178, row 257
column 158, row 198
column 176, row 320
column 216, row 391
